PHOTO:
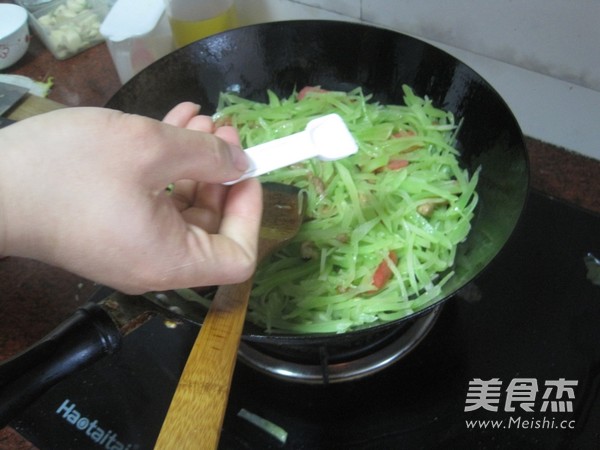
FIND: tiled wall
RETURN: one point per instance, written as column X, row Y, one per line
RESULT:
column 560, row 38
column 543, row 56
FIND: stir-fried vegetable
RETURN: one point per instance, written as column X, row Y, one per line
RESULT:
column 381, row 226
column 266, row 425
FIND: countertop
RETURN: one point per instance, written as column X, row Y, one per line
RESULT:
column 34, row 297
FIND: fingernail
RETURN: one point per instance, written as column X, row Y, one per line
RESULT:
column 239, row 158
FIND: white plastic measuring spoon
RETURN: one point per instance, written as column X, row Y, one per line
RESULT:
column 326, row 138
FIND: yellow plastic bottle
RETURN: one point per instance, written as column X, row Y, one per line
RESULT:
column 196, row 19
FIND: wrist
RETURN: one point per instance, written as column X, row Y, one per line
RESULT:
column 11, row 172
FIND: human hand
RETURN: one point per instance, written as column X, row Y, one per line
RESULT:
column 84, row 189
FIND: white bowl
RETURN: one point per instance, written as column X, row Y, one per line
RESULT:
column 14, row 34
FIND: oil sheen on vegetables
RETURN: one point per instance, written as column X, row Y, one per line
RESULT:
column 382, row 226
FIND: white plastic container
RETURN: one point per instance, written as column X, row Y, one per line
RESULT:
column 67, row 27
column 137, row 33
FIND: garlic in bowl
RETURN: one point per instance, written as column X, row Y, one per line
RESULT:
column 68, row 27
column 14, row 34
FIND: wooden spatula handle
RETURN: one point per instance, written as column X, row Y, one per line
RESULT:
column 196, row 413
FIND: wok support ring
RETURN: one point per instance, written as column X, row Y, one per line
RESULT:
column 324, row 372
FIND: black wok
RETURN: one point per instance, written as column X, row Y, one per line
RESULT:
column 281, row 57
column 340, row 56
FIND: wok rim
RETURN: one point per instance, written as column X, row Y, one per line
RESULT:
column 320, row 338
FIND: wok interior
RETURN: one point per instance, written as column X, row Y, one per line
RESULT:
column 340, row 56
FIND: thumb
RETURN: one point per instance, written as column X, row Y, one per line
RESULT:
column 195, row 155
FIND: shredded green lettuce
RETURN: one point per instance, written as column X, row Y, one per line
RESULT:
column 266, row 425
column 382, row 226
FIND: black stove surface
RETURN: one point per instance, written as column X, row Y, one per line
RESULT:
column 513, row 362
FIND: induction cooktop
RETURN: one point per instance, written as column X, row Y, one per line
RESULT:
column 511, row 362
